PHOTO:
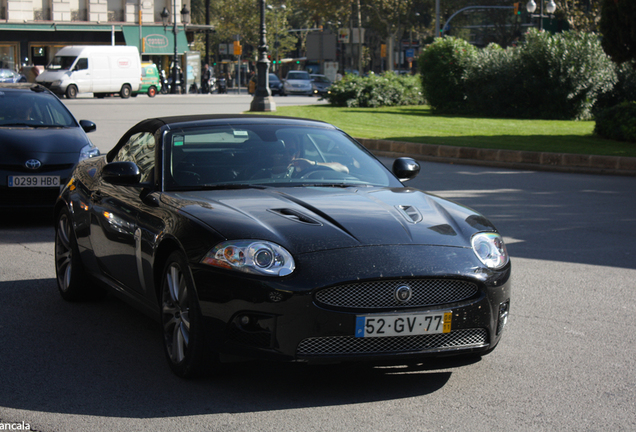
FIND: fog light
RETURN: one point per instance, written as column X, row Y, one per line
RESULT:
column 503, row 316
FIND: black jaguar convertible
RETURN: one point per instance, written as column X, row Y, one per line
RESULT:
column 282, row 239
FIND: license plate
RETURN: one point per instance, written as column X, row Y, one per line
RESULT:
column 34, row 181
column 403, row 324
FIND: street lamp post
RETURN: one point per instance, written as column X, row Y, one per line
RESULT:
column 550, row 8
column 263, row 100
column 276, row 44
column 184, row 17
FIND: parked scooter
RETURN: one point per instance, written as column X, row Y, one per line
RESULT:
column 164, row 82
column 222, row 85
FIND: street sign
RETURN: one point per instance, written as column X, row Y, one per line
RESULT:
column 409, row 54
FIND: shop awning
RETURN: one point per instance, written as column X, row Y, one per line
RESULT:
column 155, row 39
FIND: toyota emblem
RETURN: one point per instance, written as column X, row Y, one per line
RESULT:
column 33, row 164
column 403, row 293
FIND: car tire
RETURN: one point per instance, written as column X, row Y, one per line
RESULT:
column 72, row 281
column 71, row 92
column 125, row 91
column 152, row 91
column 183, row 341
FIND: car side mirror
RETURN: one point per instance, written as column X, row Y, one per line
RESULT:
column 121, row 173
column 88, row 126
column 406, row 168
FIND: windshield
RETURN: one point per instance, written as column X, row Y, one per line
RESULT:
column 268, row 155
column 27, row 108
column 320, row 78
column 297, row 75
column 62, row 62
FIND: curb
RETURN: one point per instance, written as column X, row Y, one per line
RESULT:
column 540, row 161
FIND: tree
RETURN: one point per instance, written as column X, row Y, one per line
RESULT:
column 618, row 26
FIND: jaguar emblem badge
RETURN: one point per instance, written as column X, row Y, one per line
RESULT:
column 403, row 293
column 33, row 164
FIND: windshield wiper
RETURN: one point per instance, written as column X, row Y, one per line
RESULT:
column 24, row 124
column 334, row 185
column 227, row 186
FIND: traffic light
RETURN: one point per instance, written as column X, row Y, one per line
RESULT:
column 517, row 8
column 383, row 50
column 238, row 49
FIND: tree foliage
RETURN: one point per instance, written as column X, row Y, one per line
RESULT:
column 549, row 76
column 618, row 26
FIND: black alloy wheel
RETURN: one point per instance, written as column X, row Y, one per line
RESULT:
column 72, row 281
column 181, row 318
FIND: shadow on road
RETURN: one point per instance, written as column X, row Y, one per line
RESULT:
column 106, row 359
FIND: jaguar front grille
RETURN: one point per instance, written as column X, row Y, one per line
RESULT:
column 382, row 294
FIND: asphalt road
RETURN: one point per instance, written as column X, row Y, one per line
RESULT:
column 567, row 361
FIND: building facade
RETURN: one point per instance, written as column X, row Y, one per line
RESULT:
column 32, row 31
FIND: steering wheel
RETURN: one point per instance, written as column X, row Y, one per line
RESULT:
column 308, row 171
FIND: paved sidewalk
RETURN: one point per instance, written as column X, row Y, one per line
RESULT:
column 564, row 162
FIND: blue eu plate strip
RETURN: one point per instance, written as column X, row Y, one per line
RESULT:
column 360, row 327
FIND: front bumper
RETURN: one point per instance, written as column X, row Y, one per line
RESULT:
column 284, row 319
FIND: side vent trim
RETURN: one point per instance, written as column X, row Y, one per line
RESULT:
column 295, row 216
column 410, row 213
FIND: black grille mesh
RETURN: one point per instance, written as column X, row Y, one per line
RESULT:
column 381, row 294
column 343, row 345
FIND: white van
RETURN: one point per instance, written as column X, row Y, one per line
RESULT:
column 101, row 70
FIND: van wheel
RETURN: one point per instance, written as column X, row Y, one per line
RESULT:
column 71, row 92
column 125, row 91
column 152, row 91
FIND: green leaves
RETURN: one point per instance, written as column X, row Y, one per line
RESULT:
column 373, row 91
column 548, row 77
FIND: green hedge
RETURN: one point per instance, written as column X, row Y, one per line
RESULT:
column 623, row 91
column 388, row 89
column 443, row 66
column 548, row 76
column 618, row 122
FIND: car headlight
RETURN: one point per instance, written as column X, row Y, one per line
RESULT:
column 490, row 249
column 251, row 256
column 57, row 83
column 88, row 151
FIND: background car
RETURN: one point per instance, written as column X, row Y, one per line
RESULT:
column 150, row 80
column 297, row 83
column 9, row 76
column 284, row 239
column 275, row 85
column 320, row 84
column 40, row 144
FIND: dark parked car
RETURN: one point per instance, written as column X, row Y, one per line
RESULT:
column 320, row 84
column 275, row 85
column 9, row 76
column 40, row 144
column 281, row 239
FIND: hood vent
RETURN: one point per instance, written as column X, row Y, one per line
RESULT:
column 410, row 213
column 295, row 216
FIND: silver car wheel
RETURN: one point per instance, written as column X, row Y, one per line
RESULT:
column 64, row 253
column 176, row 313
